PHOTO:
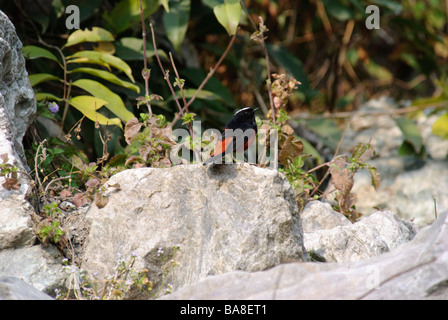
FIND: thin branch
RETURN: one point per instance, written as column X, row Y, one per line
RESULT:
column 165, row 75
column 39, row 187
column 265, row 50
column 181, row 87
column 201, row 86
column 54, row 180
column 145, row 71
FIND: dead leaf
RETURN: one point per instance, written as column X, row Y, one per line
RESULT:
column 101, row 200
column 80, row 199
column 290, row 150
column 132, row 127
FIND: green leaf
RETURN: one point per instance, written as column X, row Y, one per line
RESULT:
column 176, row 21
column 109, row 77
column 33, row 52
column 293, row 65
column 411, row 133
column 374, row 177
column 126, row 13
column 431, row 100
column 394, row 6
column 338, row 10
column 103, row 59
column 440, row 126
column 46, row 96
column 309, row 149
column 37, row 78
column 327, row 130
column 228, row 14
column 88, row 106
column 129, row 48
column 203, row 94
column 187, row 118
column 95, row 35
column 165, row 5
column 114, row 102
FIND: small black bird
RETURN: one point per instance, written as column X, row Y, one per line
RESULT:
column 244, row 119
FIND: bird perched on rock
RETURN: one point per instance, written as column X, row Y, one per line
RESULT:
column 237, row 135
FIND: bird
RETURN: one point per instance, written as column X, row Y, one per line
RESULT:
column 243, row 119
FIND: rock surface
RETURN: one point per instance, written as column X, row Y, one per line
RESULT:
column 223, row 217
column 409, row 187
column 333, row 238
column 17, row 101
column 19, row 257
column 12, row 288
column 38, row 266
column 415, row 270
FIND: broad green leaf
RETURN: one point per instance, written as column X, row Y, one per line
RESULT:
column 308, row 148
column 203, row 94
column 37, row 78
column 431, row 100
column 327, row 130
column 394, row 6
column 109, row 77
column 228, row 14
column 88, row 105
column 378, row 71
column 212, row 3
column 293, row 65
column 176, row 21
column 165, row 5
column 103, row 59
column 411, row 133
column 440, row 126
column 126, row 13
column 128, row 48
column 46, row 96
column 114, row 102
column 95, row 35
column 338, row 10
column 33, row 52
column 195, row 76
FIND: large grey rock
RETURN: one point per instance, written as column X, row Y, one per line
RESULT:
column 17, row 109
column 12, row 288
column 319, row 215
column 415, row 270
column 38, row 266
column 17, row 101
column 331, row 237
column 16, row 227
column 410, row 187
column 223, row 217
column 415, row 194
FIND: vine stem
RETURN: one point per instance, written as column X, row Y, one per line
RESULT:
column 266, row 54
column 145, row 71
column 209, row 75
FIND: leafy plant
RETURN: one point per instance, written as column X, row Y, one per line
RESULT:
column 88, row 105
column 117, row 286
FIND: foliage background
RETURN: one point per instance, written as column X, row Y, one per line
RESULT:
column 322, row 43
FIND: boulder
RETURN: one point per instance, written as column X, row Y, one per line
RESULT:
column 223, row 218
column 12, row 288
column 19, row 257
column 17, row 109
column 415, row 270
column 17, row 101
column 411, row 187
column 329, row 236
column 417, row 194
column 38, row 266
